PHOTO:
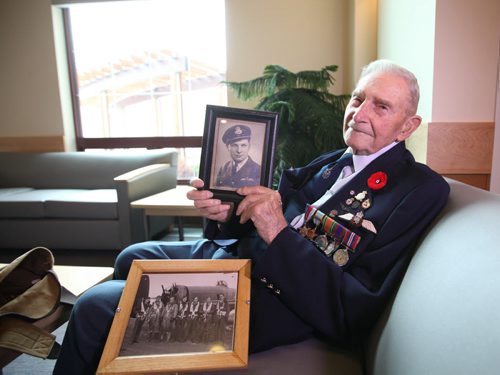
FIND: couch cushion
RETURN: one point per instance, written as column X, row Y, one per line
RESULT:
column 83, row 204
column 60, row 203
column 14, row 190
column 308, row 357
column 25, row 203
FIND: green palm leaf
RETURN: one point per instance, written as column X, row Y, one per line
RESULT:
column 310, row 117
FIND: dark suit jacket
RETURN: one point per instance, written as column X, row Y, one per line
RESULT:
column 297, row 291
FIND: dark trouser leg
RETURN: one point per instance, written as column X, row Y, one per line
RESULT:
column 88, row 328
column 201, row 249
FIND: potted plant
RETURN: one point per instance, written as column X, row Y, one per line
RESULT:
column 310, row 117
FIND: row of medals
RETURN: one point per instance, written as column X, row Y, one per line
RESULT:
column 329, row 245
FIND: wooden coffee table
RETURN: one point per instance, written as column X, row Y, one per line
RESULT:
column 171, row 202
column 75, row 280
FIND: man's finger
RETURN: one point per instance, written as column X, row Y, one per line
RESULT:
column 199, row 194
column 196, row 183
column 249, row 190
column 247, row 202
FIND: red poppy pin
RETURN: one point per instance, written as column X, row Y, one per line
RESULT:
column 377, row 180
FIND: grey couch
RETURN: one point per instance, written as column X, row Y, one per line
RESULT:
column 445, row 317
column 80, row 200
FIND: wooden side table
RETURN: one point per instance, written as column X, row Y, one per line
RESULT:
column 171, row 202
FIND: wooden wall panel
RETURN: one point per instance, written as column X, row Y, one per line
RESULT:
column 463, row 151
column 481, row 181
column 32, row 144
column 460, row 148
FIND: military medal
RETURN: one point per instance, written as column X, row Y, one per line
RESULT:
column 322, row 242
column 303, row 231
column 332, row 235
column 332, row 246
column 354, row 208
column 341, row 257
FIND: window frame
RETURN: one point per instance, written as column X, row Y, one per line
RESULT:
column 84, row 143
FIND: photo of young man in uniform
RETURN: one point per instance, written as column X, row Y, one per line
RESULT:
column 241, row 170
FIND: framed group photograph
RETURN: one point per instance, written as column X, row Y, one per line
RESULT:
column 180, row 315
column 237, row 150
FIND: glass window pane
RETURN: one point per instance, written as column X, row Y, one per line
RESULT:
column 149, row 68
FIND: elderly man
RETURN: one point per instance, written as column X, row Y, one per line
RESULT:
column 328, row 248
column 241, row 170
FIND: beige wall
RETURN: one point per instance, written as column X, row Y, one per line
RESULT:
column 29, row 90
column 363, row 36
column 466, row 58
column 297, row 34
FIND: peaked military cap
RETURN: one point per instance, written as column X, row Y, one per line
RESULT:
column 236, row 133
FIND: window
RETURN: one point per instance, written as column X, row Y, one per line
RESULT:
column 144, row 71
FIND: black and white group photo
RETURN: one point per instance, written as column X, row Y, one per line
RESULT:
column 182, row 313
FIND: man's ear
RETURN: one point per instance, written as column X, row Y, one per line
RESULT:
column 410, row 125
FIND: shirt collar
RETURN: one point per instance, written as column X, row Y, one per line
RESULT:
column 361, row 161
column 240, row 164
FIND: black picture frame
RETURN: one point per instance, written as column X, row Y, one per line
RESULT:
column 225, row 124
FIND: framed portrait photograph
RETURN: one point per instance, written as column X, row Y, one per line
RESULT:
column 237, row 150
column 180, row 315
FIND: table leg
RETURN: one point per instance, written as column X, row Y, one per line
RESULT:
column 178, row 221
column 146, row 226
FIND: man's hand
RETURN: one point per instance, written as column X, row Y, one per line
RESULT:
column 213, row 209
column 263, row 206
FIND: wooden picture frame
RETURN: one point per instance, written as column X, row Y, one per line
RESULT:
column 132, row 350
column 235, row 136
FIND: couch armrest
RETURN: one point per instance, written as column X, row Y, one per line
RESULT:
column 137, row 184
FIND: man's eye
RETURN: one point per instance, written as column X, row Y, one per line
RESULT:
column 356, row 101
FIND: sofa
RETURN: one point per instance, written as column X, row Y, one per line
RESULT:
column 445, row 316
column 80, row 200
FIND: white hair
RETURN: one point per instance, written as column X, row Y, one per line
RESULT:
column 387, row 66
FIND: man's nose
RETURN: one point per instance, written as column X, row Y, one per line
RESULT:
column 361, row 112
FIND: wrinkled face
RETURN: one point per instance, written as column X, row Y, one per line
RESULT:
column 239, row 150
column 377, row 113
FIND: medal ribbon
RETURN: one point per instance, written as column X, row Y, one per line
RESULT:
column 347, row 237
